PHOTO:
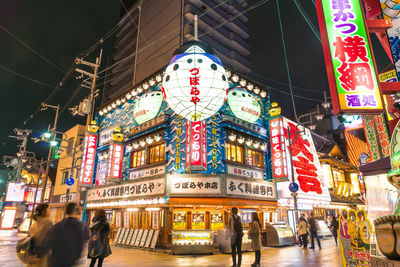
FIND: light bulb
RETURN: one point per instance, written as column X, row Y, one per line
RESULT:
column 240, row 139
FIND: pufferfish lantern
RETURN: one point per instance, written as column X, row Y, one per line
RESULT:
column 195, row 84
column 117, row 134
column 93, row 127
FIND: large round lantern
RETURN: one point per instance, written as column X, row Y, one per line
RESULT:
column 147, row 106
column 244, row 105
column 195, row 83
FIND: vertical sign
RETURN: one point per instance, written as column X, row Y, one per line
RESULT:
column 348, row 56
column 377, row 136
column 87, row 167
column 196, row 146
column 115, row 161
column 277, row 151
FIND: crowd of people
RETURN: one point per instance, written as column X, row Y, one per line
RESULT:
column 62, row 244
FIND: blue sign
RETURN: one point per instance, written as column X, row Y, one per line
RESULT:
column 70, row 181
column 293, row 187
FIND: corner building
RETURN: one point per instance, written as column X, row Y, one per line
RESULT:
column 146, row 182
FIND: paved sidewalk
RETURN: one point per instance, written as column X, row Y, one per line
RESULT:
column 292, row 256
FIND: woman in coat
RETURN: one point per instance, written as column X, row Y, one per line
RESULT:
column 302, row 232
column 100, row 229
column 255, row 236
column 39, row 231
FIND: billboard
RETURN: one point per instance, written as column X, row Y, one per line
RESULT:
column 115, row 161
column 349, row 60
column 278, row 152
column 15, row 192
column 88, row 160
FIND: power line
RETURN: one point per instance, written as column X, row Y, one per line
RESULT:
column 308, row 20
column 33, row 50
column 26, row 77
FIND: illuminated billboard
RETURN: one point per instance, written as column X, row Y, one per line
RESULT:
column 15, row 192
column 147, row 106
column 244, row 105
column 88, row 159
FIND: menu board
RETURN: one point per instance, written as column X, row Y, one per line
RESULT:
column 155, row 219
column 135, row 219
column 246, row 215
column 135, row 233
column 154, row 239
column 121, row 235
column 139, row 236
column 126, row 219
column 118, row 219
column 179, row 220
column 148, row 240
column 143, row 240
column 128, row 237
column 217, row 221
column 198, row 220
column 117, row 235
column 145, row 219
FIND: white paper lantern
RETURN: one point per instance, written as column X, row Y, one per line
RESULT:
column 147, row 106
column 195, row 83
column 244, row 105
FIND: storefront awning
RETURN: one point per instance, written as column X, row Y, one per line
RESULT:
column 221, row 201
column 379, row 166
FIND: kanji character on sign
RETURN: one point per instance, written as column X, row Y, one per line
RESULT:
column 353, row 101
column 194, row 80
column 349, row 28
column 195, row 91
column 353, row 75
column 194, row 71
column 369, row 100
column 195, row 99
column 341, row 13
column 232, row 186
column 352, row 46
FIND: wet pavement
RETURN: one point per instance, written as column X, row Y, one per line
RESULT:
column 292, row 256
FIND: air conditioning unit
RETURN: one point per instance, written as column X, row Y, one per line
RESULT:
column 84, row 107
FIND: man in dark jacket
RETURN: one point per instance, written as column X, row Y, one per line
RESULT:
column 66, row 239
column 313, row 231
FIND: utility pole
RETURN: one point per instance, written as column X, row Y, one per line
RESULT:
column 95, row 67
column 21, row 135
column 53, row 136
column 71, row 170
column 36, row 191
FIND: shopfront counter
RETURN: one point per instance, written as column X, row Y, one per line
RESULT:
column 224, row 241
column 279, row 234
column 322, row 229
column 192, row 242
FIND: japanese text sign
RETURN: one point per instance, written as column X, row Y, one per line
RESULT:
column 88, row 157
column 277, row 150
column 242, row 188
column 194, row 185
column 348, row 56
column 377, row 136
column 244, row 172
column 115, row 161
column 196, row 146
column 125, row 190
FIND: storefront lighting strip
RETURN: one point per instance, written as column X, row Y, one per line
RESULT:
column 152, row 209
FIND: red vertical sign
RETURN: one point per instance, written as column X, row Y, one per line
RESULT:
column 87, row 167
column 115, row 161
column 277, row 151
column 196, row 146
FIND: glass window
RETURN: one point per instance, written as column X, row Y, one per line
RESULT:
column 65, row 176
column 234, row 153
column 138, row 158
column 157, row 153
column 255, row 158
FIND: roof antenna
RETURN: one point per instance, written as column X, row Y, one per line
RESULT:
column 196, row 22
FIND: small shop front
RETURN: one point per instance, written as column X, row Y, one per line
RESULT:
column 187, row 213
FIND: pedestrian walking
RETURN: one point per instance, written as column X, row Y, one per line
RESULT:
column 38, row 231
column 99, row 244
column 312, row 223
column 334, row 228
column 302, row 232
column 66, row 238
column 302, row 218
column 236, row 234
column 255, row 236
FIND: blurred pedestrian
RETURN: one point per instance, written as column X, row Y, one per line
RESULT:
column 302, row 232
column 38, row 231
column 334, row 227
column 236, row 230
column 312, row 223
column 255, row 236
column 302, row 218
column 99, row 244
column 66, row 239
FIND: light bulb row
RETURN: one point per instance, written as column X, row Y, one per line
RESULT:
column 248, row 141
column 142, row 142
column 122, row 203
column 245, row 84
column 132, row 93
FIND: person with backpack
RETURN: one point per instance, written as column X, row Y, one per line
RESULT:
column 38, row 232
column 236, row 230
column 313, row 230
column 255, row 236
column 66, row 239
column 99, row 244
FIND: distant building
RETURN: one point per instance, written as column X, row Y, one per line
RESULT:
column 147, row 37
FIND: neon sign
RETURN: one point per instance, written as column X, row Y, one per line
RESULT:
column 115, row 161
column 88, row 157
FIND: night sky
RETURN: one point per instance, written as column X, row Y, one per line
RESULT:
column 61, row 30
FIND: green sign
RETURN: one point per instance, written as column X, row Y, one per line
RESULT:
column 147, row 106
column 350, row 65
column 244, row 106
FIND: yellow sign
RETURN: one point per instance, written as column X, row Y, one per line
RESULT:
column 179, row 220
column 217, row 222
column 198, row 220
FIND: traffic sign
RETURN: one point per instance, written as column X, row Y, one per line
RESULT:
column 293, row 187
column 70, row 181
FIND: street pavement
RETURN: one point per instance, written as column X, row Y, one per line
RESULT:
column 292, row 256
